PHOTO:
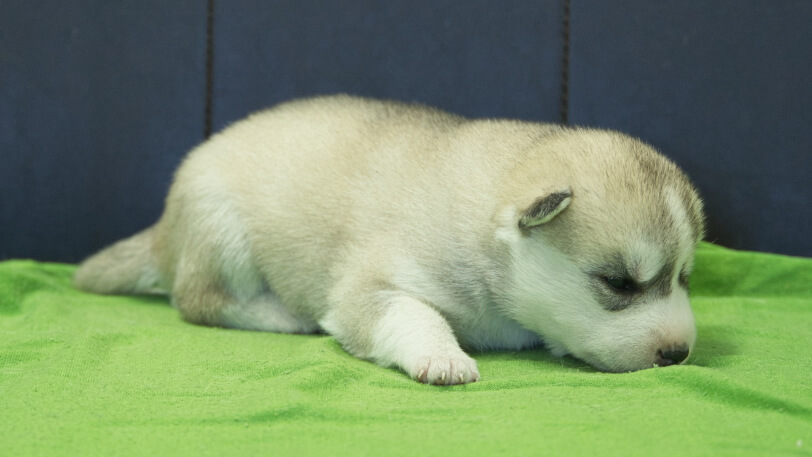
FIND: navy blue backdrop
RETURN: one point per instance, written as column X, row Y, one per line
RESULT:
column 100, row 100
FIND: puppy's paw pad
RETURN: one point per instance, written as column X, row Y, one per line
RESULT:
column 446, row 370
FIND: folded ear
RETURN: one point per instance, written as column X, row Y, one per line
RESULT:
column 545, row 208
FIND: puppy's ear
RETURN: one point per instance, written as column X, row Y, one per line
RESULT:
column 545, row 208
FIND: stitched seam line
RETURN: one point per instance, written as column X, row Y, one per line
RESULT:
column 207, row 121
column 565, row 65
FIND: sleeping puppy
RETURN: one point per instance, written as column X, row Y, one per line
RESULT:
column 409, row 234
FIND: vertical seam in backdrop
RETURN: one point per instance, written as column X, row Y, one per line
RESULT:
column 565, row 65
column 207, row 116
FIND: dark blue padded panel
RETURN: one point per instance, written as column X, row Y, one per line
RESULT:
column 478, row 58
column 98, row 102
column 722, row 87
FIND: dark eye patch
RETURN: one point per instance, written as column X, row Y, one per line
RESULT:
column 684, row 279
column 618, row 291
column 616, row 288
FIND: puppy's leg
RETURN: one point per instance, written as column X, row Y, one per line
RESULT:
column 206, row 295
column 265, row 313
column 395, row 329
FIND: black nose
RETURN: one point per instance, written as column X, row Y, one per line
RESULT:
column 672, row 356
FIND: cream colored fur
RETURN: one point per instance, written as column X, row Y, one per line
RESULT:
column 410, row 234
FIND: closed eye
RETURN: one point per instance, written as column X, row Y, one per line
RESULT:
column 621, row 284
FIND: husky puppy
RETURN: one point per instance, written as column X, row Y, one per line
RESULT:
column 409, row 234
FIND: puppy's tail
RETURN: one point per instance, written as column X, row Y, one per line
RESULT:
column 126, row 267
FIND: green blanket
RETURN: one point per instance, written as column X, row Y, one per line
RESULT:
column 90, row 375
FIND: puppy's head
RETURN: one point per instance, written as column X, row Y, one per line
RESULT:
column 600, row 262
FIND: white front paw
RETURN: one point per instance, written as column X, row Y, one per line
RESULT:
column 445, row 369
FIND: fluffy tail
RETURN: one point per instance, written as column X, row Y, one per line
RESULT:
column 126, row 267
